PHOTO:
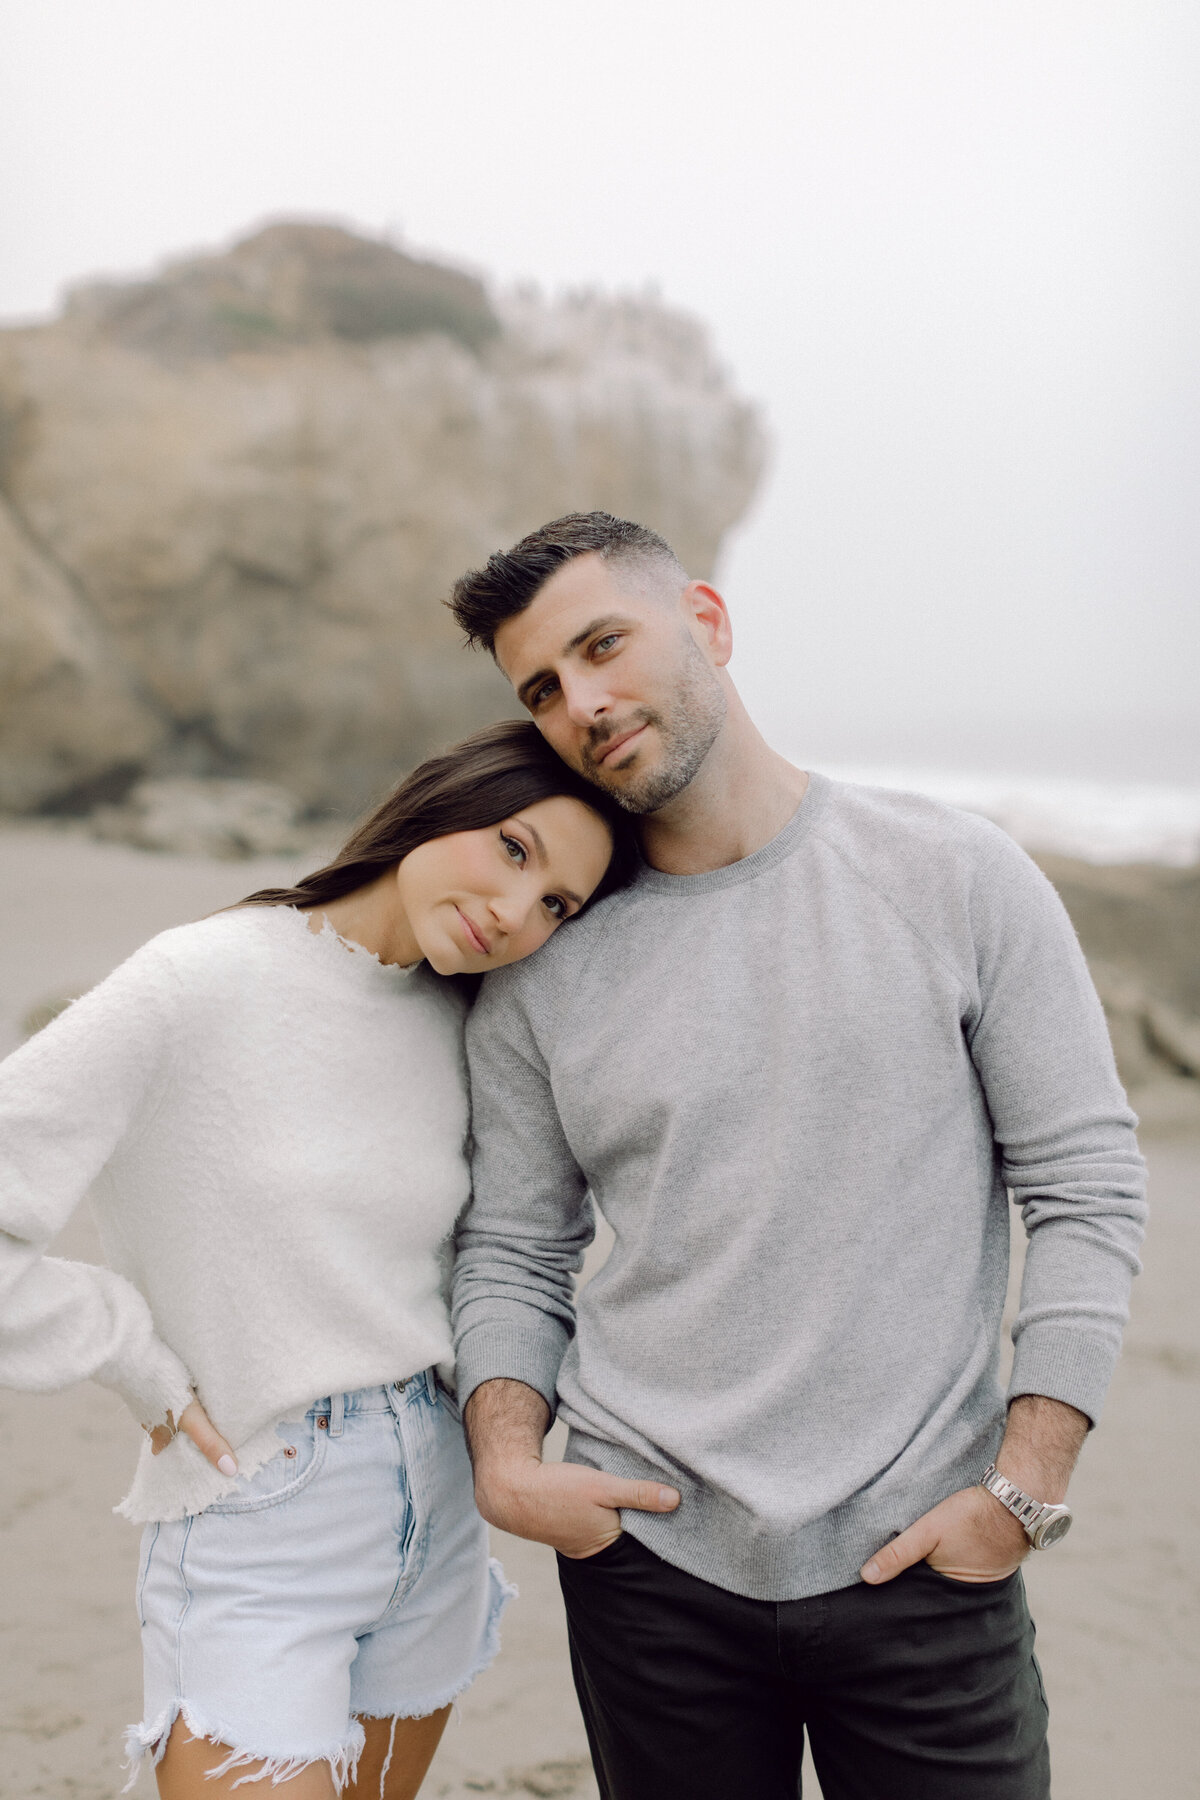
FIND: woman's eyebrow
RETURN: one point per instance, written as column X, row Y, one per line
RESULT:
column 535, row 834
column 540, row 850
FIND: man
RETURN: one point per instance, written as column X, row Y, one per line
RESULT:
column 796, row 1066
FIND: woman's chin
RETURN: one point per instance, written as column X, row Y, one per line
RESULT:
column 448, row 959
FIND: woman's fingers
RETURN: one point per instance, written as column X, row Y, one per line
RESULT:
column 199, row 1427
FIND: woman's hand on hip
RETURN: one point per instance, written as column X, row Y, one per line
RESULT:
column 195, row 1423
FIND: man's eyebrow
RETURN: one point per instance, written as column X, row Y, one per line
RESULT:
column 581, row 637
column 540, row 847
column 527, row 687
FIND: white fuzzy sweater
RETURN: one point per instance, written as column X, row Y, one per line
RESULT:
column 272, row 1128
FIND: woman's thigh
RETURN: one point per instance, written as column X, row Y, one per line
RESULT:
column 396, row 1756
column 186, row 1772
column 395, row 1760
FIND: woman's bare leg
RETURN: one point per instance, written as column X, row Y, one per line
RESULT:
column 412, row 1752
column 183, row 1772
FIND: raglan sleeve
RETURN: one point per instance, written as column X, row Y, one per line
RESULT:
column 1063, row 1127
column 68, row 1098
column 522, row 1238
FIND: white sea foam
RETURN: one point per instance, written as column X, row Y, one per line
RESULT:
column 1098, row 822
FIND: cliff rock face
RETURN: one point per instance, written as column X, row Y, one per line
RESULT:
column 232, row 499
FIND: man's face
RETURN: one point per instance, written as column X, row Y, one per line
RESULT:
column 620, row 678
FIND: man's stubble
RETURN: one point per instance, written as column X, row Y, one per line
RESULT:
column 687, row 727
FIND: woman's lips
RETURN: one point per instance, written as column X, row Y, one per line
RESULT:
column 621, row 745
column 477, row 942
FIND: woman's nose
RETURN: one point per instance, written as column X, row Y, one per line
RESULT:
column 510, row 911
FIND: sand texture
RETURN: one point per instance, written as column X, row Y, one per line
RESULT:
column 1117, row 1605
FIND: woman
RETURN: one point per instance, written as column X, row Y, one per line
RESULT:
column 269, row 1110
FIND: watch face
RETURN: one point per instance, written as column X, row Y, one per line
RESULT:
column 1054, row 1529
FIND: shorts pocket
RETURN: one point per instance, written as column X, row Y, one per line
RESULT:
column 301, row 1454
column 448, row 1399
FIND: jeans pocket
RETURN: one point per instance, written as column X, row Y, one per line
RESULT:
column 301, row 1454
column 967, row 1587
column 598, row 1558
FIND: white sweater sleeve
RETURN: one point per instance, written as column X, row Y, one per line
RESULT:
column 67, row 1099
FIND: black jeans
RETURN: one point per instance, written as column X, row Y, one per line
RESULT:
column 923, row 1689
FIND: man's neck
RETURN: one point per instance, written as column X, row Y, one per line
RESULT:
column 740, row 799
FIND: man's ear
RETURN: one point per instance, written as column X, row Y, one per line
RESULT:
column 708, row 621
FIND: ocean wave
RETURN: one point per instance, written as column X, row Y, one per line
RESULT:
column 1097, row 822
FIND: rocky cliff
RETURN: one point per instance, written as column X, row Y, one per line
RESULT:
column 233, row 497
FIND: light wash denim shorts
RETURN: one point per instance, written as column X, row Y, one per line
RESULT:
column 349, row 1576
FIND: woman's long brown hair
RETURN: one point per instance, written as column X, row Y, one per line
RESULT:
column 482, row 781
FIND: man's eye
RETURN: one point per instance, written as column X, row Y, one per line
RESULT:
column 542, row 694
column 513, row 849
column 556, row 906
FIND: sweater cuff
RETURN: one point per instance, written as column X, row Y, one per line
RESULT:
column 1065, row 1364
column 154, row 1389
column 490, row 1352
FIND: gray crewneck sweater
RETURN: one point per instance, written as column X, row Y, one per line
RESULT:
column 798, row 1089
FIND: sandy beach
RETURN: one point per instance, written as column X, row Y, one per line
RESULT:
column 1117, row 1605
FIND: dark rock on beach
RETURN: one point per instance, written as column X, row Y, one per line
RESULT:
column 1139, row 925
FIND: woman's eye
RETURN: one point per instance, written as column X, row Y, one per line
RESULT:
column 556, row 907
column 513, row 849
column 604, row 643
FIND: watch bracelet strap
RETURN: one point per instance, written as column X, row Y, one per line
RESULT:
column 1027, row 1511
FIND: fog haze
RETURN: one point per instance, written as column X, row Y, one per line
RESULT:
column 951, row 251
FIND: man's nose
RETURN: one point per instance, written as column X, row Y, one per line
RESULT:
column 586, row 697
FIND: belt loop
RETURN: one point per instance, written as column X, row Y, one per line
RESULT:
column 430, row 1385
column 337, row 1414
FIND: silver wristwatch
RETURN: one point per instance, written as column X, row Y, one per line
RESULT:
column 1044, row 1522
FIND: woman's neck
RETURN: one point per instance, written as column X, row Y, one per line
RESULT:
column 372, row 917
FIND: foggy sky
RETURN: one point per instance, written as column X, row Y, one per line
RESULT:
column 953, row 249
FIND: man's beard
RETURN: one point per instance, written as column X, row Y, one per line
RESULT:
column 687, row 730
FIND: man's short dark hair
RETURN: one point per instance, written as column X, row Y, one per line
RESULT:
column 483, row 599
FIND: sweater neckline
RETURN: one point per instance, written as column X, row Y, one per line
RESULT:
column 342, row 956
column 711, row 881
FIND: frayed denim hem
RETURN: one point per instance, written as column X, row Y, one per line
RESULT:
column 151, row 1740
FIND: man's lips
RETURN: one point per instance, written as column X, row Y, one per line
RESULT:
column 474, row 937
column 618, row 745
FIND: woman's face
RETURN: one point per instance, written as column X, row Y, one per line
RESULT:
column 477, row 900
